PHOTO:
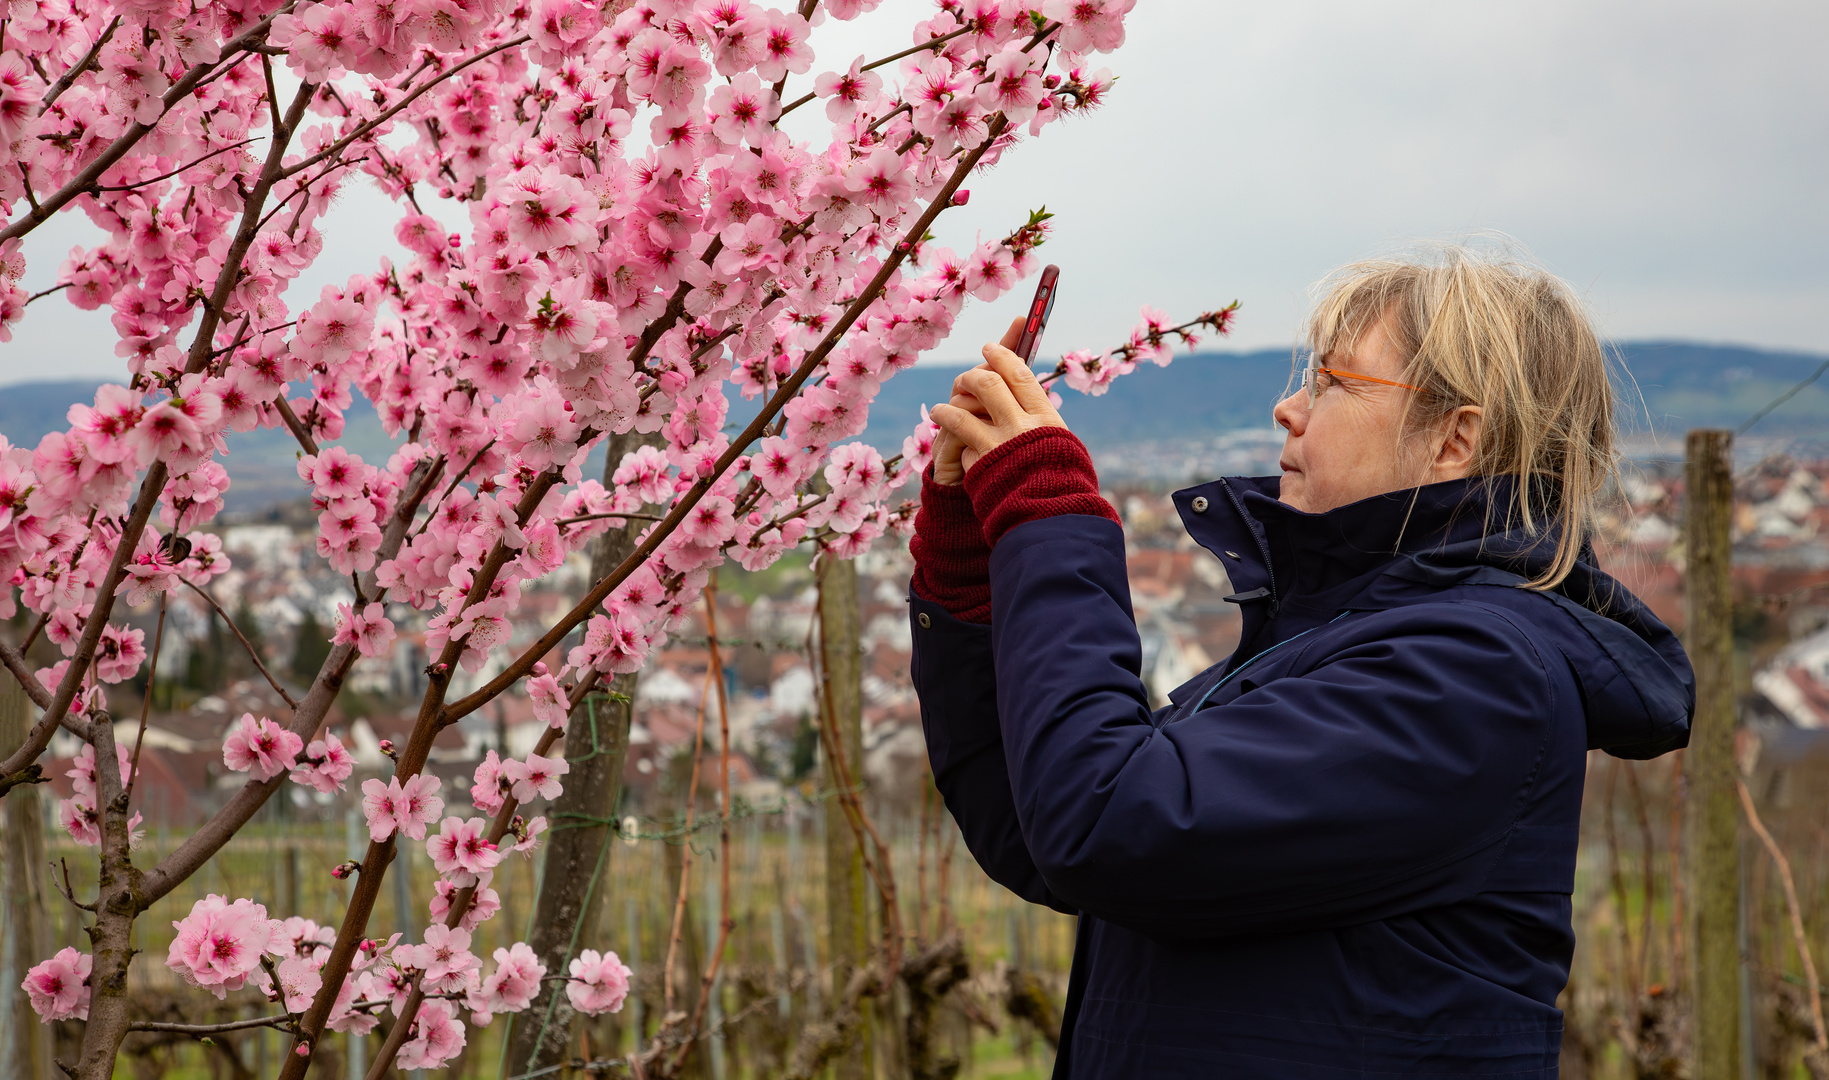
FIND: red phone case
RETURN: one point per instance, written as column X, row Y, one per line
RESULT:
column 1039, row 310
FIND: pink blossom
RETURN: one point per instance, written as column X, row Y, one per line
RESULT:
column 438, row 1036
column 325, row 765
column 484, row 903
column 369, row 630
column 542, row 431
column 490, row 789
column 515, row 981
column 599, row 982
column 120, row 653
column 299, row 981
column 611, row 645
column 881, row 182
column 545, row 209
column 710, row 522
column 535, row 778
column 741, row 110
column 335, row 474
column 260, row 748
column 1012, row 84
column 527, row 834
column 645, row 471
column 445, row 958
column 847, row 91
column 785, row 48
column 1096, row 25
column 461, row 851
column 219, row 944
column 408, row 807
column 333, row 328
column 59, row 987
column 550, row 704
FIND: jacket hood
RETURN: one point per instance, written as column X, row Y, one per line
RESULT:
column 1394, row 549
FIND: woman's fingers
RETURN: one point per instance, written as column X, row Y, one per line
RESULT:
column 993, row 392
column 1013, row 335
column 971, row 404
column 972, row 432
column 1020, row 380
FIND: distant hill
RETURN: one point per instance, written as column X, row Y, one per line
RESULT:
column 1668, row 386
column 1683, row 385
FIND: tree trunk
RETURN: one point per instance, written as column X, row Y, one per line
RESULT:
column 25, row 1043
column 1712, row 815
column 574, row 887
column 847, row 910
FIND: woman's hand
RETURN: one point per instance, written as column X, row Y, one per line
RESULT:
column 992, row 404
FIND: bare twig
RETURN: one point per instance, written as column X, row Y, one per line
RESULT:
column 725, row 922
column 1799, row 938
column 284, row 408
column 679, row 902
column 98, row 189
column 253, row 653
column 152, row 673
column 281, row 1021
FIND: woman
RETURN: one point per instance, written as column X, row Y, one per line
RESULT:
column 1349, row 849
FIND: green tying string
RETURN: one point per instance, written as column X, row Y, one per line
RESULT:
column 590, row 710
column 603, row 854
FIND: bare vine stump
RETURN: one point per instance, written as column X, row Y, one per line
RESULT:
column 25, row 938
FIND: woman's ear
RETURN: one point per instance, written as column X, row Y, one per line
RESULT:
column 1460, row 443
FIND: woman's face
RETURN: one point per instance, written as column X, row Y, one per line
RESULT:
column 1345, row 447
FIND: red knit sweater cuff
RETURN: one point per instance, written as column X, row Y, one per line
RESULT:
column 952, row 561
column 1042, row 473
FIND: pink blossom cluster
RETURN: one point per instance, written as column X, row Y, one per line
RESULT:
column 221, row 942
column 599, row 983
column 78, row 814
column 260, row 748
column 640, row 241
column 59, row 987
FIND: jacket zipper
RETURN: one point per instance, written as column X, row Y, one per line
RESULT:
column 1198, row 705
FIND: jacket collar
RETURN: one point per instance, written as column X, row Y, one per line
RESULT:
column 1265, row 544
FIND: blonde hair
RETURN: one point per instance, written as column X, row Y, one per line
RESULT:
column 1496, row 331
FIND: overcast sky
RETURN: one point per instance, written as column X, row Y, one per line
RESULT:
column 1668, row 158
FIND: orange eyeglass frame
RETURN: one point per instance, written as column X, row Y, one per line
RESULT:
column 1310, row 383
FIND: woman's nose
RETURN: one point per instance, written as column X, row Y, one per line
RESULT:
column 1291, row 413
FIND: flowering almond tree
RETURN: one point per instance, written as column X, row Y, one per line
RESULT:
column 643, row 240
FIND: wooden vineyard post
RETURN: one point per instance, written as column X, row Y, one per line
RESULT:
column 847, row 909
column 25, row 938
column 1712, row 815
column 575, row 885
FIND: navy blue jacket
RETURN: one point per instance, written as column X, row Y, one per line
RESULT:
column 1348, row 851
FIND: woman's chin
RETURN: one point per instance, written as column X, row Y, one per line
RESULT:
column 1292, row 492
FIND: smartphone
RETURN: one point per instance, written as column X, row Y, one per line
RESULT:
column 1039, row 310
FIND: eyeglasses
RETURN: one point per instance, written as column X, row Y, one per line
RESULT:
column 1311, row 379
